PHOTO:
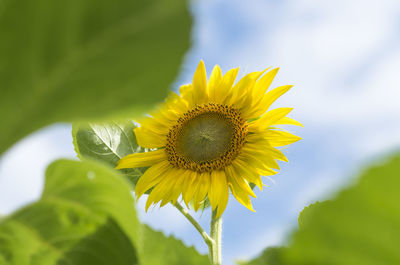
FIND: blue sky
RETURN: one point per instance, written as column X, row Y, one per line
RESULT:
column 343, row 58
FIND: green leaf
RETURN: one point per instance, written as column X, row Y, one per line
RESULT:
column 361, row 226
column 93, row 186
column 86, row 216
column 270, row 256
column 3, row 260
column 162, row 250
column 62, row 233
column 308, row 211
column 80, row 60
column 107, row 142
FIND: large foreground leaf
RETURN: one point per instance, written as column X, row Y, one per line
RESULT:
column 308, row 211
column 61, row 233
column 361, row 226
column 85, row 216
column 74, row 60
column 96, row 187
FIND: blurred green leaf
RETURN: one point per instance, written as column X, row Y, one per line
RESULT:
column 3, row 260
column 162, row 250
column 360, row 226
column 80, row 60
column 308, row 211
column 270, row 256
column 107, row 142
column 58, row 233
column 94, row 186
column 86, row 215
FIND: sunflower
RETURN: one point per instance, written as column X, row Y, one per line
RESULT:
column 210, row 138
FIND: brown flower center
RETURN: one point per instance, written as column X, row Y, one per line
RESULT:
column 206, row 138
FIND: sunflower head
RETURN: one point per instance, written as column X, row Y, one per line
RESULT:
column 213, row 137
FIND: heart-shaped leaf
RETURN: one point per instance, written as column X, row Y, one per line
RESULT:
column 107, row 142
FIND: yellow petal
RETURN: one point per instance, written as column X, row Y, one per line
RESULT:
column 263, row 105
column 176, row 187
column 215, row 79
column 149, row 139
column 200, row 84
column 165, row 115
column 268, row 119
column 192, row 183
column 263, row 84
column 241, row 181
column 186, row 182
column 265, row 149
column 257, row 157
column 219, row 191
column 280, row 138
column 274, row 94
column 187, row 93
column 202, row 189
column 248, row 173
column 273, row 138
column 142, row 159
column 176, row 104
column 263, row 165
column 177, row 190
column 288, row 121
column 172, row 189
column 241, row 195
column 225, row 86
column 156, row 125
column 151, row 177
column 163, row 188
column 241, row 95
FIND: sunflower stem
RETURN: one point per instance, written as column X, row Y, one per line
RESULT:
column 215, row 232
column 206, row 237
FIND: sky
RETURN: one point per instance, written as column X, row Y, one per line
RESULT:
column 343, row 58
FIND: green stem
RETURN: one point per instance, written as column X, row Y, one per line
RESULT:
column 215, row 232
column 196, row 225
column 213, row 242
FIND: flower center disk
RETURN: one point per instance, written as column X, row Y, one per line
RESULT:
column 206, row 138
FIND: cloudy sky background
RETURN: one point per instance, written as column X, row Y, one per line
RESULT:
column 343, row 58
